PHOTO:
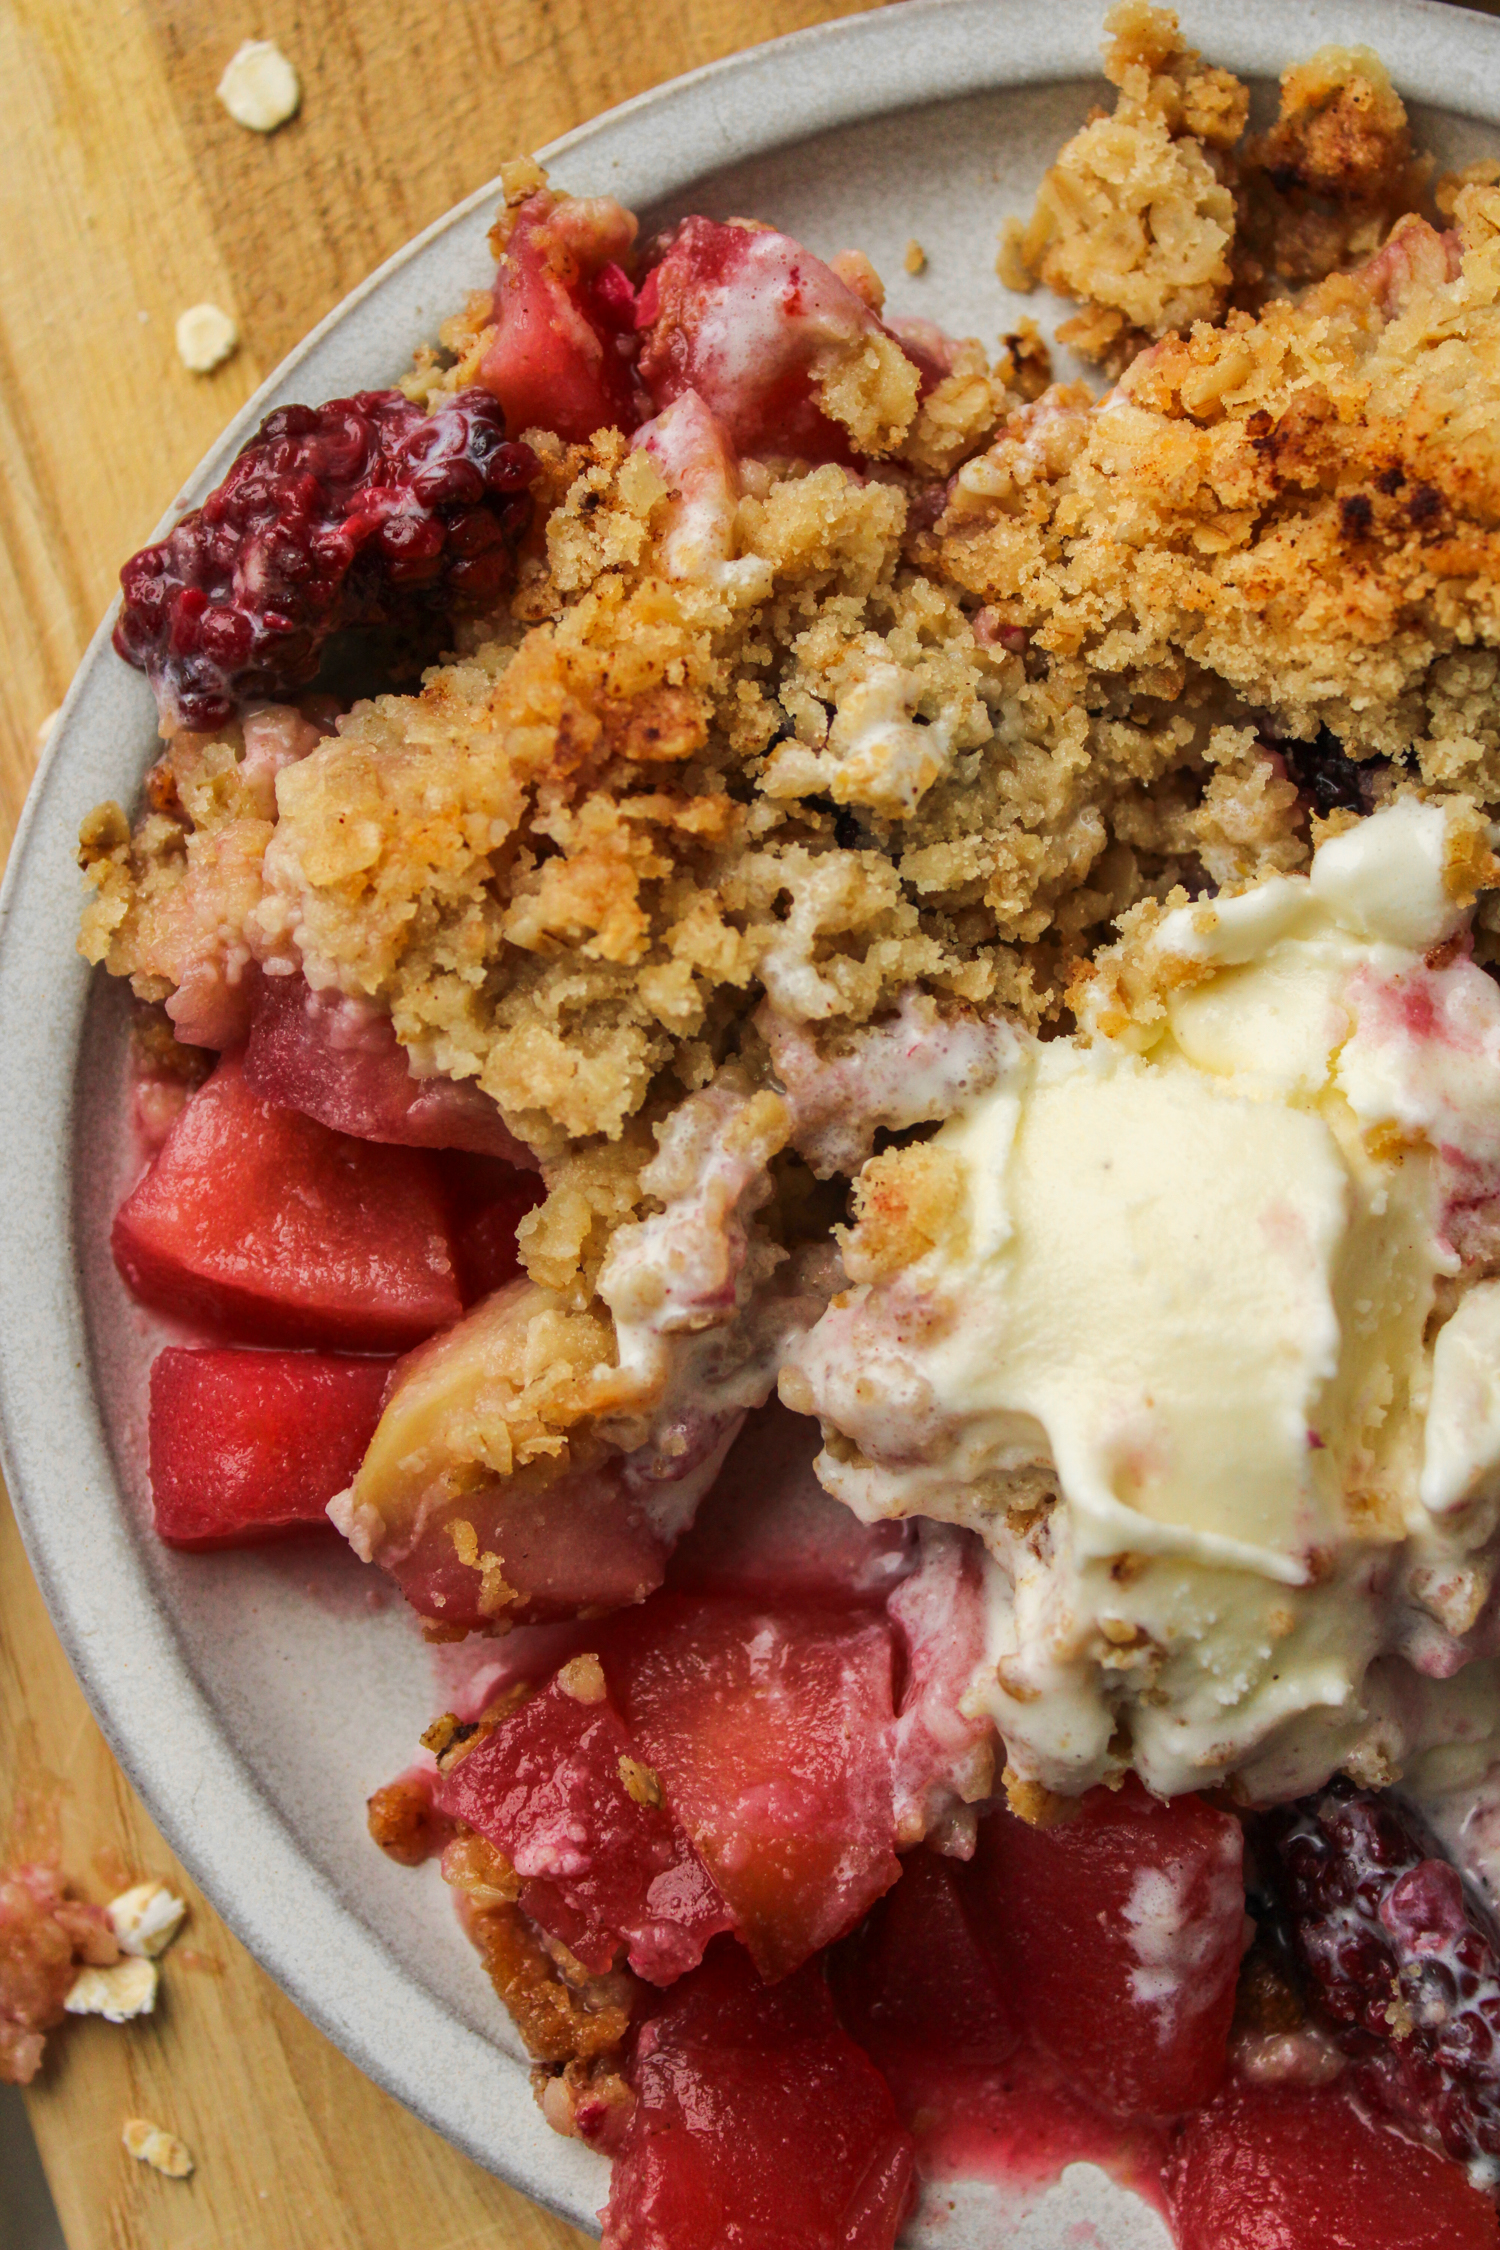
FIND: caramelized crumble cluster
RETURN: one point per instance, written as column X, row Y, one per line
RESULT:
column 1165, row 213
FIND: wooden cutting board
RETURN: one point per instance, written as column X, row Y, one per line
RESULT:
column 126, row 194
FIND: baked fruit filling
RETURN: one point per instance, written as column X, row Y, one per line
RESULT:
column 818, row 1046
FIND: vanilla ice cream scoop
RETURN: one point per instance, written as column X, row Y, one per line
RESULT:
column 1188, row 1316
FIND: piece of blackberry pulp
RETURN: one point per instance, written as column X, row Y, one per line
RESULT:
column 1325, row 774
column 364, row 512
column 1402, row 1960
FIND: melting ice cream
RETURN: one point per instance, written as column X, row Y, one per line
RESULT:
column 1190, row 1316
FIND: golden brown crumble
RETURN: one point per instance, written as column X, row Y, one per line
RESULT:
column 401, row 1821
column 906, row 1202
column 1162, row 213
column 1299, row 510
column 1136, row 217
column 561, row 2011
column 1324, row 186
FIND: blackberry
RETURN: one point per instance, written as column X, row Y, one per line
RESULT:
column 364, row 512
column 1403, row 1962
column 1325, row 774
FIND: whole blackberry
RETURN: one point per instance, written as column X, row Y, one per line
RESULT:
column 366, row 511
column 1403, row 1962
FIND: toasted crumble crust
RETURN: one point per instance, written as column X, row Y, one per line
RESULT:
column 562, row 2013
column 1325, row 185
column 569, row 864
column 1300, row 509
column 1136, row 217
column 1163, row 214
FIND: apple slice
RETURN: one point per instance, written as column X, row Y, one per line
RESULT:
column 923, row 1973
column 343, row 1064
column 560, row 355
column 1298, row 2168
column 248, row 1445
column 770, row 1731
column 770, row 1532
column 757, row 2122
column 557, row 1789
column 1124, row 1928
column 271, row 1229
column 487, row 1491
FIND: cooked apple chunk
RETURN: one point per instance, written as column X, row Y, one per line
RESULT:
column 501, row 1486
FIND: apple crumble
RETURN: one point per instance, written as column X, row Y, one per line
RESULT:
column 854, row 1129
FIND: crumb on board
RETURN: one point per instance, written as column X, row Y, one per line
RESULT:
column 260, row 87
column 154, row 2145
column 46, row 1936
column 125, row 1989
column 146, row 1918
column 206, row 337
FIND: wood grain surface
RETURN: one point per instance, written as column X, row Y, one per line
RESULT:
column 126, row 194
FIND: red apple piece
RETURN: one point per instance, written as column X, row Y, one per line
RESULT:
column 770, row 1731
column 757, row 2122
column 558, row 1789
column 1298, row 2168
column 488, row 1505
column 1125, row 1925
column 249, row 1444
column 923, row 1973
column 271, row 1229
column 343, row 1064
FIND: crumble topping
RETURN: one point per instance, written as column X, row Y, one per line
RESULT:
column 979, row 899
column 154, row 2145
column 1136, row 217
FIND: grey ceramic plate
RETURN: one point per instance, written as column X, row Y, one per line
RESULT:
column 255, row 1700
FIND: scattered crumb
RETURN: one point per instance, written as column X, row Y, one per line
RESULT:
column 260, row 88
column 205, row 338
column 583, row 1678
column 640, row 1782
column 1401, row 2019
column 1038, row 1807
column 444, row 1733
column 154, row 2145
column 146, row 1918
column 118, row 1993
column 916, row 257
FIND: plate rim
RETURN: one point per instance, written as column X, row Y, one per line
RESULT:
column 121, row 1645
